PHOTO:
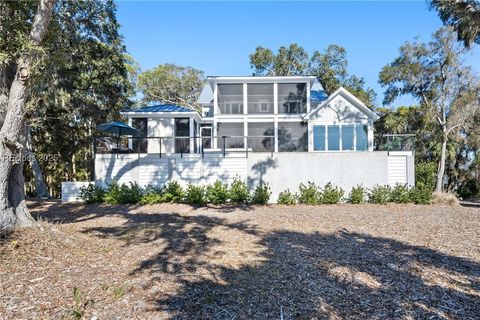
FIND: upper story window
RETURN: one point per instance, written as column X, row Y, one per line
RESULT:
column 260, row 98
column 292, row 98
column 230, row 98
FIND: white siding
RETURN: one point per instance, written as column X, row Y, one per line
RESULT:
column 71, row 190
column 397, row 170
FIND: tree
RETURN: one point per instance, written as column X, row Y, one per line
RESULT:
column 84, row 83
column 169, row 83
column 330, row 68
column 13, row 211
column 435, row 74
column 463, row 15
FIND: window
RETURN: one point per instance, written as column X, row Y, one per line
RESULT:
column 362, row 137
column 182, row 129
column 333, row 135
column 347, row 137
column 340, row 137
column 319, row 138
column 140, row 145
column 206, row 133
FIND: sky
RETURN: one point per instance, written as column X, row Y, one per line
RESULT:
column 217, row 37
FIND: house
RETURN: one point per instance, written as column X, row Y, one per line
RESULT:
column 280, row 130
column 279, row 114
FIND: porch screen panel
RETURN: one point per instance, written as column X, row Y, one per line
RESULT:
column 230, row 98
column 362, row 137
column 333, row 134
column 347, row 137
column 319, row 138
column 259, row 134
column 233, row 133
column 292, row 136
column 292, row 98
column 260, row 98
column 140, row 145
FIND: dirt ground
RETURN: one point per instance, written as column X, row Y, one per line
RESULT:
column 275, row 262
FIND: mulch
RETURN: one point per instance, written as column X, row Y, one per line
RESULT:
column 271, row 262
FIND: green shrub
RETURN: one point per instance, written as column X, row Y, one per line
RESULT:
column 261, row 194
column 196, row 195
column 309, row 194
column 173, row 192
column 380, row 194
column 357, row 195
column 152, row 195
column 421, row 195
column 287, row 197
column 217, row 193
column 239, row 191
column 331, row 194
column 400, row 194
column 92, row 193
column 112, row 194
column 130, row 194
column 425, row 175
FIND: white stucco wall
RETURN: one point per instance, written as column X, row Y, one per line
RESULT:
column 282, row 171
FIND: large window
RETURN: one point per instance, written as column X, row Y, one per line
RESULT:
column 346, row 137
column 292, row 98
column 292, row 136
column 139, row 144
column 333, row 137
column 182, row 129
column 231, row 134
column 260, row 136
column 319, row 138
column 230, row 98
column 260, row 98
column 362, row 137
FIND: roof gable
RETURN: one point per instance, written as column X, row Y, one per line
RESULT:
column 342, row 111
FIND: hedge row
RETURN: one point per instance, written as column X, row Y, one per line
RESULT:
column 217, row 193
column 237, row 193
column 312, row 195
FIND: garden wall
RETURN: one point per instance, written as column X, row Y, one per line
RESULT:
column 282, row 171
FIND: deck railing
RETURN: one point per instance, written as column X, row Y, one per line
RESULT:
column 226, row 145
column 394, row 142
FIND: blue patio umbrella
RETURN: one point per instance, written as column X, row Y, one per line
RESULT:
column 119, row 129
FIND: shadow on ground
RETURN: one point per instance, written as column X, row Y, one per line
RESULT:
column 301, row 275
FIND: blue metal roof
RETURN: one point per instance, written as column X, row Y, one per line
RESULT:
column 162, row 108
column 319, row 95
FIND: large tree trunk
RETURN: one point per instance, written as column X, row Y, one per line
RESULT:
column 11, row 132
column 16, row 188
column 41, row 189
column 441, row 165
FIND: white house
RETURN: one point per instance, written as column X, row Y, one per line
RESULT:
column 280, row 130
column 279, row 114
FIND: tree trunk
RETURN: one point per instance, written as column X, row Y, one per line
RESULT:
column 441, row 165
column 11, row 131
column 41, row 189
column 16, row 189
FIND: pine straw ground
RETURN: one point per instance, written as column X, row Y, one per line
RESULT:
column 177, row 262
